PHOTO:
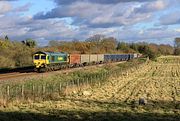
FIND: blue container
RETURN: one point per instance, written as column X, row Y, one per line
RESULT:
column 117, row 57
column 131, row 56
column 107, row 58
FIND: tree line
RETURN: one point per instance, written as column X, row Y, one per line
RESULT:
column 19, row 53
column 101, row 44
column 15, row 53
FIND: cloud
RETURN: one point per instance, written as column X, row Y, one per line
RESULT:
column 161, row 35
column 65, row 2
column 97, row 15
column 8, row 0
column 104, row 13
column 177, row 30
column 54, row 29
column 20, row 28
column 23, row 8
column 117, row 18
column 152, row 6
column 170, row 18
column 5, row 7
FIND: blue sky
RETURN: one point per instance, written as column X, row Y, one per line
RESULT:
column 156, row 21
column 35, row 5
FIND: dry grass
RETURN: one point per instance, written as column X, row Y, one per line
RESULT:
column 158, row 83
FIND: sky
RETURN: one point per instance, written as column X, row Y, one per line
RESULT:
column 152, row 21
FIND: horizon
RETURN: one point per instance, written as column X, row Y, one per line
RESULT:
column 153, row 21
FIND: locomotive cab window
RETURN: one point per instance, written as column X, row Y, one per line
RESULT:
column 43, row 57
column 36, row 57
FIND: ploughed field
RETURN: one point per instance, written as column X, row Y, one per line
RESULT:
column 156, row 86
column 156, row 82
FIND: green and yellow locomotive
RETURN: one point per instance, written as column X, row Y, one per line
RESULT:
column 45, row 61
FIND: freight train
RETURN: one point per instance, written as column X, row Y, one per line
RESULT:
column 50, row 61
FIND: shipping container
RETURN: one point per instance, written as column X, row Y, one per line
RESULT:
column 74, row 58
column 100, row 58
column 117, row 57
column 107, row 58
column 85, row 58
column 93, row 58
column 130, row 56
column 120, row 57
column 113, row 57
column 135, row 55
column 127, row 57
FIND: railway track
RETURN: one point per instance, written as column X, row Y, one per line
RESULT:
column 8, row 76
column 24, row 75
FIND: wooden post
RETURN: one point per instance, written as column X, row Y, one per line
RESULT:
column 91, row 79
column 22, row 91
column 87, row 82
column 72, row 84
column 78, row 82
column 60, row 87
column 67, row 85
column 1, row 92
column 52, row 88
column 8, row 91
column 99, row 79
column 102, row 76
column 44, row 89
column 37, row 92
column 33, row 90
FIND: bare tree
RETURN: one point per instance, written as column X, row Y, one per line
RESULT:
column 177, row 46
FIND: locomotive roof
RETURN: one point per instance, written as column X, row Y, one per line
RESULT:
column 51, row 53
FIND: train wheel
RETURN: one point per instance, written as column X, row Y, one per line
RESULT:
column 35, row 69
column 41, row 70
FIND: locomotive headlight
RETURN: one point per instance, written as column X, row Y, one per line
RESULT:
column 37, row 63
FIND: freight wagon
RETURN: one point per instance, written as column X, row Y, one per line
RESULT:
column 45, row 61
column 74, row 59
column 87, row 59
column 117, row 57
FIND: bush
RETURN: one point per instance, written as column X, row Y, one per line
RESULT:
column 144, row 49
column 14, row 54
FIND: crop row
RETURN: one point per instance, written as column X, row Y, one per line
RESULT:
column 158, row 84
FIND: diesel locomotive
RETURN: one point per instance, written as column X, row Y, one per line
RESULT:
column 50, row 61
